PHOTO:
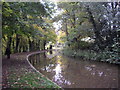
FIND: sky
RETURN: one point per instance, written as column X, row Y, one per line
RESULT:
column 57, row 25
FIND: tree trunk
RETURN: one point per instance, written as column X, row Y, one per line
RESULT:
column 9, row 43
column 13, row 46
column 66, row 29
column 44, row 43
column 17, row 42
column 74, row 19
column 24, row 48
column 114, row 12
column 30, row 45
column 97, row 29
column 39, row 44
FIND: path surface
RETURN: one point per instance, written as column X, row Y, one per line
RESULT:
column 16, row 72
column 16, row 62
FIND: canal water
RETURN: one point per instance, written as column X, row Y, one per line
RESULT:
column 75, row 73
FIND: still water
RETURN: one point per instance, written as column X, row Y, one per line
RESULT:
column 75, row 73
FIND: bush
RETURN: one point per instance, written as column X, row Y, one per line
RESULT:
column 80, row 45
column 105, row 56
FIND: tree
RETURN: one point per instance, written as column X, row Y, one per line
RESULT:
column 96, row 20
column 25, row 27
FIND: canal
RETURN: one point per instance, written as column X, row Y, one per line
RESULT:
column 74, row 72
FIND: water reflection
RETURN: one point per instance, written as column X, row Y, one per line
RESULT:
column 88, row 68
column 71, row 73
column 58, row 77
column 50, row 52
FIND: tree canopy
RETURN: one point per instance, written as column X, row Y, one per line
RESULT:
column 93, row 26
column 27, row 25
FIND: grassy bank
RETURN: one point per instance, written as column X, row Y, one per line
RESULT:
column 104, row 56
column 30, row 80
column 17, row 73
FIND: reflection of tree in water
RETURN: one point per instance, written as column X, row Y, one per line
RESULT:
column 41, row 62
column 31, row 60
column 58, row 76
column 44, row 55
column 49, row 65
column 35, row 60
column 69, row 72
column 51, row 52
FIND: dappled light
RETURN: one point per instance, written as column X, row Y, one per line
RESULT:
column 52, row 44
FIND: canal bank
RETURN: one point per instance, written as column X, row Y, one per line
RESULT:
column 17, row 73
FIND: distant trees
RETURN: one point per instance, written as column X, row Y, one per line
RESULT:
column 92, row 30
column 26, row 26
column 99, row 21
column 105, row 20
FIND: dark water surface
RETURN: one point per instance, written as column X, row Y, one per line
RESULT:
column 75, row 73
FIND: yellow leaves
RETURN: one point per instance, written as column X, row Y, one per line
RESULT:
column 40, row 29
column 38, row 17
column 29, row 16
column 51, row 36
column 47, row 34
column 47, row 20
column 64, row 12
column 60, row 35
column 35, row 26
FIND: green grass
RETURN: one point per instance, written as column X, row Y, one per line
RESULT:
column 30, row 80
